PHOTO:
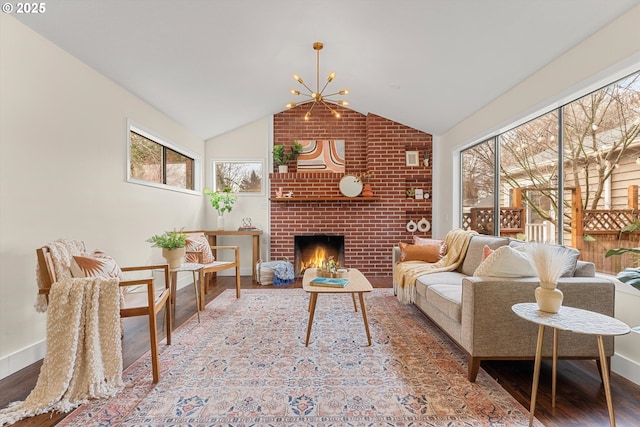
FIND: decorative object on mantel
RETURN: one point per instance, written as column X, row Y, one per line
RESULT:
column 221, row 201
column 364, row 178
column 426, row 195
column 412, row 226
column 173, row 246
column 350, row 186
column 280, row 157
column 318, row 95
column 550, row 264
column 425, row 159
column 411, row 192
column 279, row 192
column 419, row 193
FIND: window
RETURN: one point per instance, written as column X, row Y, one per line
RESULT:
column 570, row 176
column 153, row 161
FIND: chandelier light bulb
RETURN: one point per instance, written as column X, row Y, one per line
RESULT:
column 291, row 105
column 295, row 92
column 308, row 115
column 297, row 78
column 343, row 92
column 331, row 77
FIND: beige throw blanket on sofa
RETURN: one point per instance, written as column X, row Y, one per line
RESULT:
column 406, row 273
column 84, row 353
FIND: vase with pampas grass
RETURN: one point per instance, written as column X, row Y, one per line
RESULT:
column 549, row 263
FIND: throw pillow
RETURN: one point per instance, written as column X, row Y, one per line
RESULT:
column 98, row 264
column 422, row 241
column 199, row 243
column 506, row 261
column 486, row 251
column 426, row 253
column 571, row 254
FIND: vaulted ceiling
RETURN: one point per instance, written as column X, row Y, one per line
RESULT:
column 215, row 65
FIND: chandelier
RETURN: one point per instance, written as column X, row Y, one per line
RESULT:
column 318, row 96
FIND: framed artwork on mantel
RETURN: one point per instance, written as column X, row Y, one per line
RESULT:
column 322, row 156
column 412, row 158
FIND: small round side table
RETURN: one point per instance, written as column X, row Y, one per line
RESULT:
column 573, row 320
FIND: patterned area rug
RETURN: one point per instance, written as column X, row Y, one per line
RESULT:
column 246, row 364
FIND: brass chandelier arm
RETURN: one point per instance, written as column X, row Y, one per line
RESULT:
column 318, row 97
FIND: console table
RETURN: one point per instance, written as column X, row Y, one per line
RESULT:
column 212, row 235
column 578, row 321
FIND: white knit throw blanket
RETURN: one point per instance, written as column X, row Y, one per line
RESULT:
column 406, row 273
column 84, row 351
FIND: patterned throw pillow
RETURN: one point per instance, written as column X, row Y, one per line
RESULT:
column 506, row 261
column 426, row 253
column 98, row 264
column 199, row 243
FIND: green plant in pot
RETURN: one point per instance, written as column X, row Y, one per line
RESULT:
column 173, row 246
column 221, row 201
column 630, row 275
column 281, row 158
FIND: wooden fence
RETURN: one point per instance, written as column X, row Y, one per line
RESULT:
column 594, row 232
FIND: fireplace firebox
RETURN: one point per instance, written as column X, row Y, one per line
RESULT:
column 311, row 250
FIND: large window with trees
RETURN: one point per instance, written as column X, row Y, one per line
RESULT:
column 154, row 161
column 570, row 176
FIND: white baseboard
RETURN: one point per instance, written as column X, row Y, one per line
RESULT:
column 626, row 367
column 22, row 358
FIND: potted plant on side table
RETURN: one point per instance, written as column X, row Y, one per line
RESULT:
column 173, row 246
column 221, row 201
column 280, row 157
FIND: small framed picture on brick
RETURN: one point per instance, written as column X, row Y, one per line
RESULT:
column 412, row 158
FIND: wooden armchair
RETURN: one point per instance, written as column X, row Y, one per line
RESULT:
column 215, row 266
column 148, row 303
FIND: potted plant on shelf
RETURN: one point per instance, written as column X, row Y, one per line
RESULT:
column 221, row 201
column 173, row 246
column 281, row 158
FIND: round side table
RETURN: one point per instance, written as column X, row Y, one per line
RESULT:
column 574, row 320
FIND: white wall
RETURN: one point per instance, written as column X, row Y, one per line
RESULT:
column 609, row 54
column 62, row 174
column 250, row 142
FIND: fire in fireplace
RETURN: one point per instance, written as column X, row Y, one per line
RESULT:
column 311, row 250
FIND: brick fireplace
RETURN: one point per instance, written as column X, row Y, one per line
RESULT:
column 372, row 226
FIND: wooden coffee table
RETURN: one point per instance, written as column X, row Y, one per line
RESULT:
column 358, row 284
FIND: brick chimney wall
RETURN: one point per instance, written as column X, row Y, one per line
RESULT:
column 371, row 227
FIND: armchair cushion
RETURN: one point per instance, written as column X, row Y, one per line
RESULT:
column 98, row 264
column 198, row 242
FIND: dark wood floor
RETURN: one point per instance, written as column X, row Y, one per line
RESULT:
column 580, row 395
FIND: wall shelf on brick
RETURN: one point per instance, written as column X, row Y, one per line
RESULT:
column 325, row 199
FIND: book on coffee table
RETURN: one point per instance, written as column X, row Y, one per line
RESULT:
column 333, row 282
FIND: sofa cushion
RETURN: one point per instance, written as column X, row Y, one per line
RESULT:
column 572, row 255
column 441, row 278
column 426, row 253
column 448, row 299
column 506, row 261
column 473, row 258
